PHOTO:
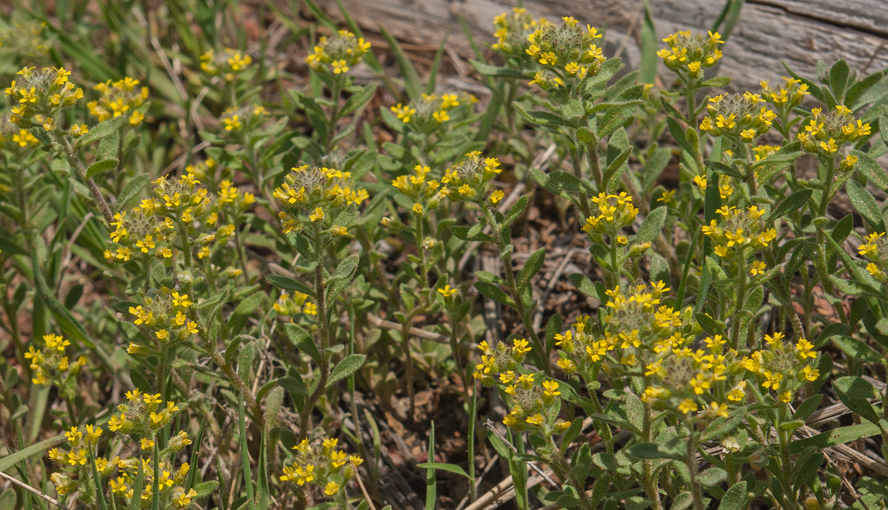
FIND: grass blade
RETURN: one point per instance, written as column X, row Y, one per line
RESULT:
column 411, row 79
column 245, row 452
column 431, row 484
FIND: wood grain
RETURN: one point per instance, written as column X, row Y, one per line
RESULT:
column 798, row 32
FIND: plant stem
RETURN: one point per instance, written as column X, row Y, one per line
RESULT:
column 513, row 290
column 741, row 298
column 74, row 160
column 696, row 490
column 324, row 336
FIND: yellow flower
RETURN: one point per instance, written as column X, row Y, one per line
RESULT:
column 550, row 389
column 331, row 488
column 829, row 146
column 772, row 381
column 318, row 215
column 339, row 66
column 758, row 267
column 536, row 419
column 417, row 208
column 811, row 374
column 738, row 392
column 687, row 406
column 447, row 291
column 441, row 116
column 147, row 444
column 232, row 123
column 496, row 196
column 786, row 397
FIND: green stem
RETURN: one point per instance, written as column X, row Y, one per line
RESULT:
column 696, row 489
column 74, row 160
column 741, row 298
column 513, row 289
column 324, row 336
column 649, row 480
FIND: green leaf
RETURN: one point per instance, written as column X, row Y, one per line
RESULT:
column 854, row 391
column 871, row 169
column 453, row 468
column 358, row 99
column 12, row 459
column 489, row 70
column 531, row 267
column 647, row 69
column 516, row 210
column 101, row 166
column 853, row 287
column 345, row 368
column 653, row 451
column 856, row 349
column 205, row 489
column 717, row 82
column 583, row 284
column 302, row 340
column 723, row 169
column 103, row 129
column 734, row 498
column 289, row 284
column 789, row 204
column 469, row 234
column 834, row 437
column 541, row 118
column 652, row 225
column 131, row 189
column 838, row 78
column 346, row 269
column 493, row 292
column 678, row 134
column 243, row 311
column 565, row 180
column 866, row 205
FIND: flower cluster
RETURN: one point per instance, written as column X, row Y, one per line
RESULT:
column 826, row 132
column 338, row 53
column 74, row 466
column 171, row 482
column 322, row 464
column 143, row 415
column 530, row 404
column 688, row 54
column 51, row 365
column 468, row 180
column 164, row 320
column 243, row 119
column 15, row 138
column 39, row 94
column 429, row 112
column 782, row 367
column 297, row 303
column 316, row 191
column 228, row 64
column 786, row 96
column 738, row 116
column 610, row 213
column 725, row 188
column 513, row 30
column 424, row 193
column 739, row 229
column 875, row 250
column 501, row 361
column 681, row 379
column 177, row 214
column 122, row 97
column 567, row 53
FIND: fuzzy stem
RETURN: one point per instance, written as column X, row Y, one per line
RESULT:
column 324, row 337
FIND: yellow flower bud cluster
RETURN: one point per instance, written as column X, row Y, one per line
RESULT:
column 683, row 380
column 297, row 303
column 122, row 97
column 740, row 117
column 530, row 401
column 431, row 111
column 468, row 180
column 610, row 213
column 322, row 464
column 338, row 53
column 738, row 229
column 875, row 250
column 579, row 350
column 51, row 365
column 243, row 119
column 37, row 95
column 229, row 64
column 513, row 29
column 142, row 415
column 499, row 360
column 74, row 467
column 688, row 54
column 567, row 53
column 786, row 96
column 163, row 318
column 827, row 132
column 424, row 193
column 316, row 191
column 177, row 207
column 782, row 366
column 15, row 138
column 171, row 482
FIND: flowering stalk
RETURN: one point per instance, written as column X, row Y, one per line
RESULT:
column 323, row 336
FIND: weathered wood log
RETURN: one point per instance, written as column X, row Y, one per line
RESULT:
column 769, row 32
